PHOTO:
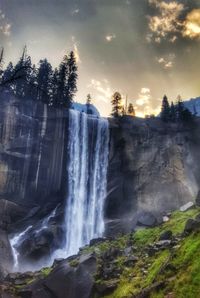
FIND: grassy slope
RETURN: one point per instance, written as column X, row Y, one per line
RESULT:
column 181, row 276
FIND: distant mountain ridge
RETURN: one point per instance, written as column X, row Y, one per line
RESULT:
column 193, row 105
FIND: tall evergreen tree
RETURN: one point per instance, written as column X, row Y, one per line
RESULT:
column 117, row 105
column 22, row 72
column 44, row 79
column 7, row 75
column 165, row 109
column 54, row 99
column 173, row 115
column 32, row 90
column 62, row 82
column 71, row 79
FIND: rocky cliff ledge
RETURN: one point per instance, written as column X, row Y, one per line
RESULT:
column 153, row 169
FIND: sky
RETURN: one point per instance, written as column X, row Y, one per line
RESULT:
column 140, row 48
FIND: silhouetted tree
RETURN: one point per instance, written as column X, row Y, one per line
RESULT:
column 131, row 110
column 173, row 115
column 62, row 82
column 44, row 80
column 23, row 69
column 117, row 105
column 71, row 79
column 54, row 99
column 165, row 109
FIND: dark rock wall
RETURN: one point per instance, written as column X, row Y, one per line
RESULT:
column 153, row 167
column 32, row 145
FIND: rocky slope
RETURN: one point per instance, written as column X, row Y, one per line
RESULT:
column 154, row 262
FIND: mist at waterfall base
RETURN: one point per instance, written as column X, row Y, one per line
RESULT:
column 88, row 139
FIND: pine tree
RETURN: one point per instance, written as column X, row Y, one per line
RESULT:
column 62, row 83
column 72, row 79
column 173, row 112
column 44, row 78
column 22, row 73
column 32, row 91
column 7, row 75
column 131, row 110
column 117, row 105
column 54, row 99
column 165, row 109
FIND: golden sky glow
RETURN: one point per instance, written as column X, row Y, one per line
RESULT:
column 141, row 48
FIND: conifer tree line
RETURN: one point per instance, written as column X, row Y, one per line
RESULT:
column 55, row 87
column 175, row 112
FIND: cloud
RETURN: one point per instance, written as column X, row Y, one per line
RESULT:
column 192, row 24
column 167, row 23
column 102, row 90
column 5, row 26
column 144, row 97
column 167, row 62
column 110, row 37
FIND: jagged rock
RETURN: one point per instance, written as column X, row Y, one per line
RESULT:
column 97, row 241
column 111, row 254
column 128, row 251
column 162, row 244
column 131, row 261
column 187, row 206
column 146, row 219
column 66, row 281
column 10, row 213
column 166, row 235
column 40, row 243
column 106, row 287
column 191, row 225
column 5, row 254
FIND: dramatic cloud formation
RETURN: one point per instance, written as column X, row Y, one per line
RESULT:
column 166, row 24
column 192, row 24
column 110, row 41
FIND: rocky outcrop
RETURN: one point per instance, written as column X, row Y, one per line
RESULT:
column 153, row 169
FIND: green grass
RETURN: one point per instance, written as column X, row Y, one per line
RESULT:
column 184, row 282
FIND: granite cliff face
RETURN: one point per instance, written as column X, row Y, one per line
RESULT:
column 32, row 140
column 153, row 169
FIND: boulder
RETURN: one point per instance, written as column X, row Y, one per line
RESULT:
column 146, row 219
column 187, row 206
column 166, row 235
column 10, row 213
column 66, row 281
column 191, row 226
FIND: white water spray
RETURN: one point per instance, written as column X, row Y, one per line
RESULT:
column 87, row 177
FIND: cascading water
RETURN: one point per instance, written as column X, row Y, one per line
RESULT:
column 87, row 177
column 88, row 140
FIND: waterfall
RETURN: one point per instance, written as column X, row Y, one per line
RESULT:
column 87, row 175
column 87, row 155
